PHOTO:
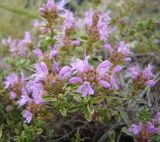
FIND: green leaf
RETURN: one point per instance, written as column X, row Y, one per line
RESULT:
column 90, row 109
column 39, row 131
column 125, row 118
column 88, row 116
column 77, row 98
column 49, row 98
column 97, row 99
column 63, row 111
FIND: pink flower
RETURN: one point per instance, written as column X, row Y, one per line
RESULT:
column 150, row 83
column 69, row 21
column 75, row 80
column 109, row 48
column 98, row 22
column 88, row 18
column 135, row 129
column 105, row 84
column 85, row 89
column 152, row 129
column 81, row 66
column 41, row 71
column 37, row 91
column 64, row 73
column 157, row 117
column 113, row 82
column 122, row 48
column 145, row 75
column 7, row 42
column 24, row 99
column 27, row 38
column 134, row 72
column 53, row 53
column 11, row 80
column 39, row 53
column 148, row 71
column 51, row 9
column 117, row 69
column 103, row 67
column 21, row 48
column 28, row 116
column 76, row 42
column 13, row 95
column 36, row 24
column 55, row 67
column 103, row 27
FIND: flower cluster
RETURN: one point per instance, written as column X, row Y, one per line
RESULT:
column 50, row 76
column 145, row 132
column 119, row 54
column 89, row 77
column 142, row 78
column 97, row 25
column 20, row 47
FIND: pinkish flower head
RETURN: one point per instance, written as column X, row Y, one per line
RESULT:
column 152, row 129
column 7, row 42
column 28, row 116
column 75, row 80
column 134, row 72
column 109, row 48
column 37, row 91
column 13, row 95
column 64, row 73
column 135, row 129
column 55, row 67
column 76, row 42
column 50, row 5
column 27, row 38
column 105, row 84
column 148, row 71
column 81, row 66
column 104, row 30
column 103, row 67
column 50, row 9
column 157, row 117
column 113, row 82
column 39, row 53
column 36, row 24
column 24, row 99
column 85, row 89
column 41, row 71
column 88, row 18
column 21, row 48
column 117, row 69
column 11, row 80
column 98, row 22
column 150, row 83
column 53, row 53
column 145, row 75
column 127, row 59
column 69, row 21
column 123, row 49
column 13, row 46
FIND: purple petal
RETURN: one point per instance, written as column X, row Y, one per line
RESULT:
column 28, row 116
column 105, row 84
column 75, row 80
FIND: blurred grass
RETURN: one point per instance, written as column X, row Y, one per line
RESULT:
column 16, row 16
